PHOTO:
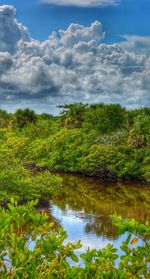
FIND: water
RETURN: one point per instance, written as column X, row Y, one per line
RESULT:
column 85, row 206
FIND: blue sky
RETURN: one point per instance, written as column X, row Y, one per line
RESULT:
column 99, row 52
column 128, row 17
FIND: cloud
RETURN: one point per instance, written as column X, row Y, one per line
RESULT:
column 136, row 43
column 72, row 65
column 11, row 32
column 82, row 3
column 5, row 62
column 78, row 33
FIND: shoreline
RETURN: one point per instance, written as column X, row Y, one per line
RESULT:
column 101, row 177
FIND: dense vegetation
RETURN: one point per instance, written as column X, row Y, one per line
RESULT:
column 103, row 140
column 49, row 258
column 98, row 140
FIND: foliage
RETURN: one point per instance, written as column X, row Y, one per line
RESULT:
column 23, row 117
column 4, row 119
column 104, row 118
column 72, row 115
column 16, row 181
column 103, row 140
column 139, row 136
column 50, row 258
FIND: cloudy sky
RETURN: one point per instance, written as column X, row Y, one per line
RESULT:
column 63, row 51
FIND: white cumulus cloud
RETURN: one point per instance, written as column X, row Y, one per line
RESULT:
column 10, row 30
column 72, row 65
column 136, row 43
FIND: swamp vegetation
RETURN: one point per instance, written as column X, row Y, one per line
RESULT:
column 103, row 141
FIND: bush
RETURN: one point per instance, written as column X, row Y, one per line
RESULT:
column 49, row 257
column 23, row 117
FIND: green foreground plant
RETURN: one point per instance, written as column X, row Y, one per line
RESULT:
column 48, row 257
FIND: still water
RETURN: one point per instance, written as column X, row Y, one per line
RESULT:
column 85, row 206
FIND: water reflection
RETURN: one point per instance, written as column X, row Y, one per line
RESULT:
column 102, row 226
column 97, row 201
column 76, row 229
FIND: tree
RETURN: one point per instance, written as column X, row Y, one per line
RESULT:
column 4, row 119
column 104, row 118
column 72, row 115
column 139, row 135
column 23, row 117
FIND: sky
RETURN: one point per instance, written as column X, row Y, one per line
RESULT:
column 63, row 51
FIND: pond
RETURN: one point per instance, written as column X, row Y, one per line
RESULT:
column 85, row 206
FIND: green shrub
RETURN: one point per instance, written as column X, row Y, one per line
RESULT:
column 49, row 256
